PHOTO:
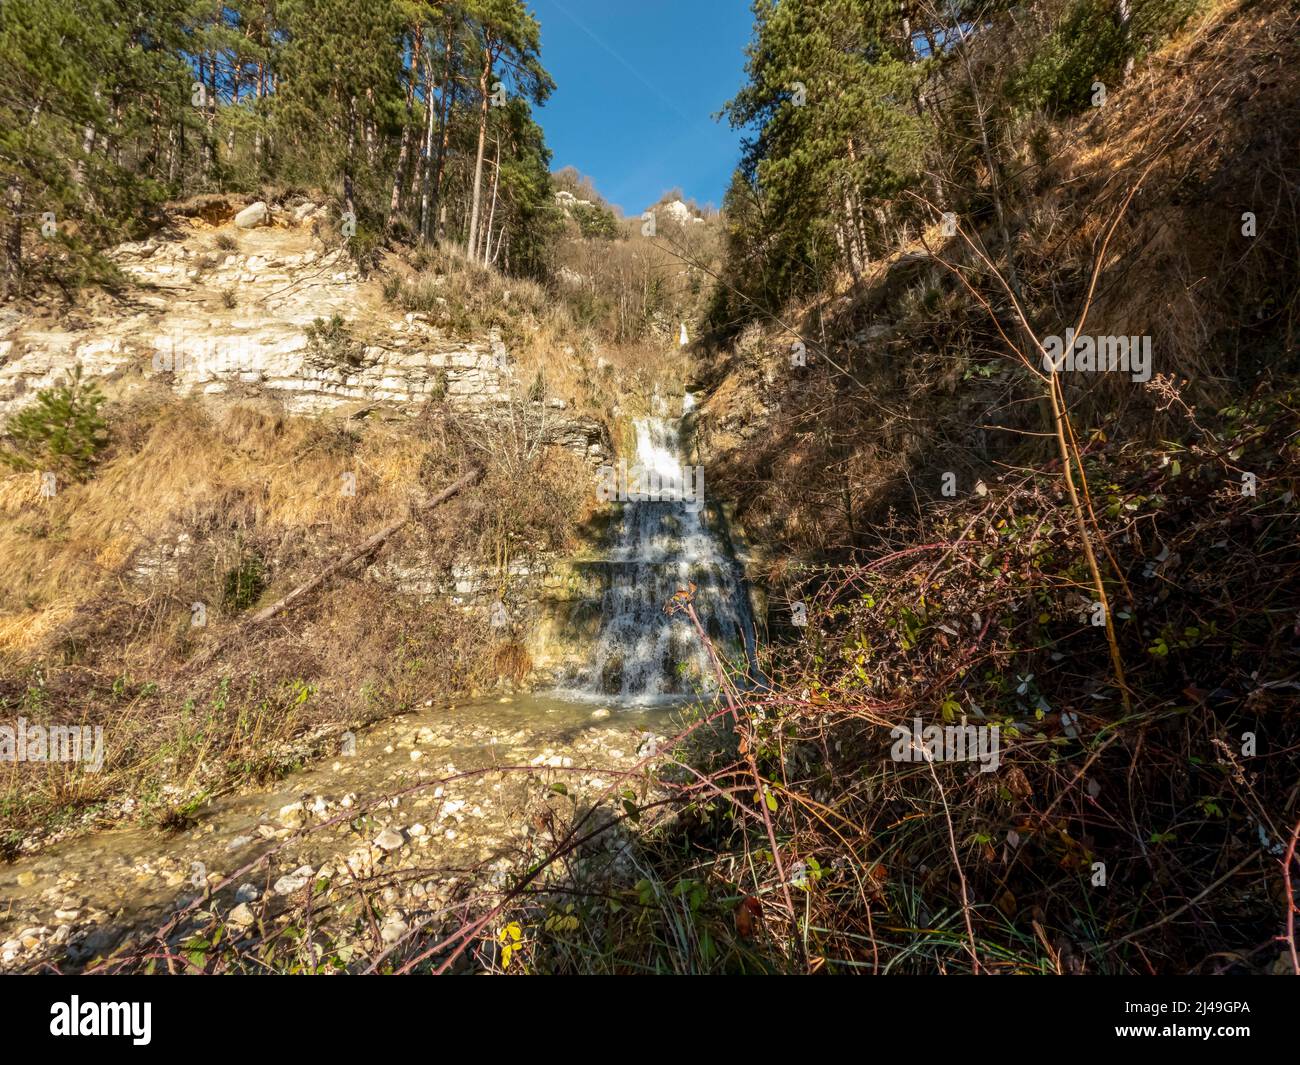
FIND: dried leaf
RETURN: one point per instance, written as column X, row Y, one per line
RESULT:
column 1018, row 783
column 748, row 914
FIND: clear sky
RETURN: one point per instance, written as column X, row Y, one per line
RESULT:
column 638, row 82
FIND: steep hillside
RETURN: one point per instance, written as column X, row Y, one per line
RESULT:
column 859, row 399
column 1098, row 569
column 975, row 650
column 265, row 410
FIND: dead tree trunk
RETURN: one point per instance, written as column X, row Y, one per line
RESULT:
column 367, row 547
column 476, row 200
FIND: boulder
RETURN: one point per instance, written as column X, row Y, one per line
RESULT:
column 252, row 216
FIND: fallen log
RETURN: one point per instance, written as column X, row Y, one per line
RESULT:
column 367, row 547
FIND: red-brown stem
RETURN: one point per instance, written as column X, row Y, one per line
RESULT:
column 1291, row 906
column 747, row 741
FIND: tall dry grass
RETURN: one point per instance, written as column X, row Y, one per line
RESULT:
column 203, row 513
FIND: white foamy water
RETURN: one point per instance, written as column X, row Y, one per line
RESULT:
column 662, row 546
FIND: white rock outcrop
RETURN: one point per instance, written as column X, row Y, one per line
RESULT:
column 239, row 321
column 679, row 212
column 252, row 216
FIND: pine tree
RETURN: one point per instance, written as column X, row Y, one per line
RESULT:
column 509, row 39
column 62, row 432
column 108, row 108
column 830, row 98
column 82, row 86
column 339, row 97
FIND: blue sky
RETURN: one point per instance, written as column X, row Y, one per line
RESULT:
column 638, row 82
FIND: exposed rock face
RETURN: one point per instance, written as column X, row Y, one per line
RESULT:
column 567, row 199
column 553, row 605
column 571, row 277
column 679, row 213
column 246, row 315
column 262, row 343
column 235, row 312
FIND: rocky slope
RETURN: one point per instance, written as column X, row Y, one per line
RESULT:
column 224, row 310
column 262, row 303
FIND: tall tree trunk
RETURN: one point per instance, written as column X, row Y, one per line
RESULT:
column 13, row 244
column 208, row 157
column 14, row 240
column 484, row 79
column 426, row 183
column 257, row 116
column 368, row 132
column 155, row 135
column 171, row 155
column 444, row 129
column 348, row 203
column 496, row 177
column 395, row 200
column 212, row 111
column 844, row 238
column 1125, row 14
column 87, row 146
column 853, row 234
column 237, row 64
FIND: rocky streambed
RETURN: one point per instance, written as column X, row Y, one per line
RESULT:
column 415, row 826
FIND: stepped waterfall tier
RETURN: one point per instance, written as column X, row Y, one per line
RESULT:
column 663, row 543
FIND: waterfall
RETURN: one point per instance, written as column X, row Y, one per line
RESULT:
column 662, row 544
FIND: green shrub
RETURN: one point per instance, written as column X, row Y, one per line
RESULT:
column 244, row 583
column 1090, row 45
column 595, row 221
column 61, row 432
column 332, row 343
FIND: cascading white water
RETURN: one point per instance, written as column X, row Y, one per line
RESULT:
column 661, row 546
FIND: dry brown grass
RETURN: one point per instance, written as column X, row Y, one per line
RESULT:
column 197, row 469
column 96, row 616
column 1217, row 107
column 595, row 347
column 232, row 504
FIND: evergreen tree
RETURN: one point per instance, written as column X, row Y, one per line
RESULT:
column 416, row 114
column 509, row 40
column 339, row 97
column 83, row 86
column 867, row 118
column 62, row 432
